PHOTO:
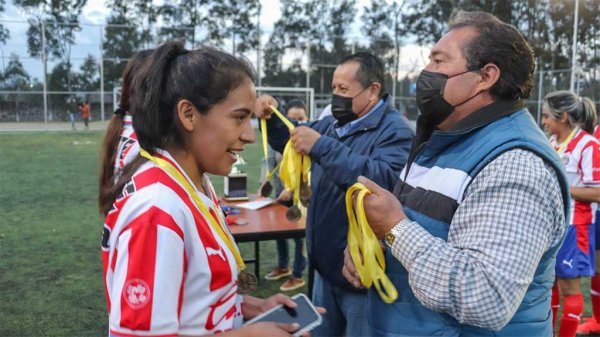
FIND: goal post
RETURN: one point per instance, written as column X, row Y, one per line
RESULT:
column 288, row 93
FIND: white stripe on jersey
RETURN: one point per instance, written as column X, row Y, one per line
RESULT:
column 581, row 159
column 128, row 147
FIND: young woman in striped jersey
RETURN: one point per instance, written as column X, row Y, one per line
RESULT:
column 171, row 266
column 569, row 120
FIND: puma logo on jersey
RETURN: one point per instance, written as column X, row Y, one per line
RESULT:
column 219, row 252
column 568, row 263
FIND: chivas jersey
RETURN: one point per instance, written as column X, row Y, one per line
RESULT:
column 166, row 270
column 128, row 147
column 581, row 158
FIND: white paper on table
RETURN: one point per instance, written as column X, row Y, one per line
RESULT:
column 257, row 204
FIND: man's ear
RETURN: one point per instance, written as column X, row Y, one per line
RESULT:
column 186, row 114
column 490, row 75
column 375, row 89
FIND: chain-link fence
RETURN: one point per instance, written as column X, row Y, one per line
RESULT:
column 87, row 66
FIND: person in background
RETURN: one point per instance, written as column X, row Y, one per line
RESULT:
column 364, row 136
column 296, row 111
column 474, row 225
column 170, row 265
column 569, row 119
column 119, row 146
column 85, row 113
column 591, row 325
column 72, row 110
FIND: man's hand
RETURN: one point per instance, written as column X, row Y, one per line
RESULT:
column 285, row 195
column 349, row 270
column 382, row 208
column 262, row 107
column 304, row 138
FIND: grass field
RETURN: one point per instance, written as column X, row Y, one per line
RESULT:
column 50, row 267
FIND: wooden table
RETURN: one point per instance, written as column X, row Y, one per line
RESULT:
column 267, row 223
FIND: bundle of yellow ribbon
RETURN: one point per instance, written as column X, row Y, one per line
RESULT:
column 364, row 246
column 294, row 170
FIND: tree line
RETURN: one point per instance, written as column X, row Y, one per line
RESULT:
column 319, row 30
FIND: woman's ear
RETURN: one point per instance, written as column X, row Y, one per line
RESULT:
column 564, row 117
column 186, row 114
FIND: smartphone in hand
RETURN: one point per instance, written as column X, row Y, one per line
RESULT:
column 304, row 314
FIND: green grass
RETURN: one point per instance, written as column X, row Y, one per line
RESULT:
column 50, row 267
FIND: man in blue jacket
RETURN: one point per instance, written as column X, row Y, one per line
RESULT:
column 364, row 136
column 479, row 211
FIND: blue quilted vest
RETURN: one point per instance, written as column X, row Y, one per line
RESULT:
column 468, row 151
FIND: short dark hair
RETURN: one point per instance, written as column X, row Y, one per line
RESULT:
column 501, row 44
column 296, row 103
column 370, row 69
column 171, row 73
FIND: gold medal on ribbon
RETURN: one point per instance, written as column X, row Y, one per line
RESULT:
column 266, row 189
column 293, row 213
column 247, row 282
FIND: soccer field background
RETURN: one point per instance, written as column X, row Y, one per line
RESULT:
column 50, row 230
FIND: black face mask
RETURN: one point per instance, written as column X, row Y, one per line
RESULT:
column 341, row 108
column 430, row 97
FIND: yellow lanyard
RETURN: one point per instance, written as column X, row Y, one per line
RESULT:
column 364, row 247
column 295, row 167
column 263, row 131
column 565, row 143
column 215, row 222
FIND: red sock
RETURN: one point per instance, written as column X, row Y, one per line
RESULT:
column 595, row 292
column 572, row 310
column 555, row 303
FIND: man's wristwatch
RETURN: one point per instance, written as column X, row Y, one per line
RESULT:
column 390, row 236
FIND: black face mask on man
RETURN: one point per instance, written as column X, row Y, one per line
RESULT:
column 430, row 97
column 341, row 108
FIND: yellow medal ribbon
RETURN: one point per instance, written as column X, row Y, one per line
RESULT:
column 263, row 131
column 565, row 143
column 364, row 247
column 295, row 167
column 216, row 223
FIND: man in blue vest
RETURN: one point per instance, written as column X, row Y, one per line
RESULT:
column 364, row 136
column 475, row 221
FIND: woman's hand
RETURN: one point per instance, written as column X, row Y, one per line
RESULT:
column 269, row 329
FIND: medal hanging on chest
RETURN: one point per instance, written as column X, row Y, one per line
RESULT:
column 247, row 282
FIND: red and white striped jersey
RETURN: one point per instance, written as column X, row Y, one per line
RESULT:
column 166, row 271
column 581, row 158
column 128, row 147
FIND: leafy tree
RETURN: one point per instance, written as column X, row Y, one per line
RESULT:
column 378, row 29
column 235, row 20
column 292, row 34
column 60, row 22
column 4, row 32
column 181, row 17
column 88, row 78
column 15, row 76
column 128, row 30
